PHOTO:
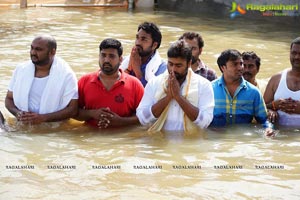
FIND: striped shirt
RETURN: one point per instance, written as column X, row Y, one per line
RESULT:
column 206, row 72
column 246, row 103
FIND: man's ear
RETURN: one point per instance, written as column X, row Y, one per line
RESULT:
column 223, row 67
column 200, row 51
column 53, row 52
column 121, row 59
column 154, row 46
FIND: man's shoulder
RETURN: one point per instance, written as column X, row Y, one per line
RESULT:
column 277, row 76
column 217, row 82
column 250, row 90
column 201, row 79
column 24, row 64
column 162, row 67
column 131, row 79
column 88, row 76
column 250, row 86
column 275, row 79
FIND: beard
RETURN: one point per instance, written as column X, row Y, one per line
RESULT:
column 181, row 77
column 194, row 60
column 144, row 53
column 247, row 75
column 36, row 61
column 295, row 63
column 108, row 69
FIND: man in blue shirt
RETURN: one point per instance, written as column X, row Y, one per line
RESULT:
column 236, row 100
column 144, row 61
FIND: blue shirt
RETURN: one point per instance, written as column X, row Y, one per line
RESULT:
column 161, row 69
column 246, row 103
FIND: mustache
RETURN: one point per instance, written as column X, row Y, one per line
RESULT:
column 247, row 73
column 107, row 64
column 139, row 46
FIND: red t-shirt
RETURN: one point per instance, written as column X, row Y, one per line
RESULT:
column 123, row 98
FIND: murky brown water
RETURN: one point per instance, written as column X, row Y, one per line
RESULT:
column 78, row 32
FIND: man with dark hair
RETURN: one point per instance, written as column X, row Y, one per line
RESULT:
column 236, row 100
column 43, row 89
column 144, row 61
column 177, row 100
column 109, row 97
column 251, row 63
column 282, row 95
column 198, row 66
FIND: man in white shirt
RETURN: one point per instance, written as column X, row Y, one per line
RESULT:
column 179, row 99
column 144, row 61
column 43, row 89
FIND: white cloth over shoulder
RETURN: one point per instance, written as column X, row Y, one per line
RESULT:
column 151, row 67
column 175, row 118
column 60, row 89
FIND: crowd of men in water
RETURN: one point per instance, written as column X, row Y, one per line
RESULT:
column 182, row 94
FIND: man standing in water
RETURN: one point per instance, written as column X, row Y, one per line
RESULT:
column 43, row 89
column 109, row 97
column 282, row 95
column 144, row 61
column 251, row 64
column 236, row 100
column 179, row 99
column 198, row 66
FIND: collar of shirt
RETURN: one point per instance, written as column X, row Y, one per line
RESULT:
column 243, row 84
column 95, row 78
column 201, row 65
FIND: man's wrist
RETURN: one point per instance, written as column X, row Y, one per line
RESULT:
column 274, row 106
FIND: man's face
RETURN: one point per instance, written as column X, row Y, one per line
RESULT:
column 196, row 51
column 179, row 66
column 250, row 69
column 144, row 43
column 233, row 70
column 295, row 56
column 40, row 53
column 109, row 61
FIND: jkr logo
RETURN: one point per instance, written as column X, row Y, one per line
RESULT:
column 119, row 98
column 236, row 10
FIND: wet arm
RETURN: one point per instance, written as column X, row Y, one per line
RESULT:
column 70, row 111
column 10, row 105
column 159, row 107
column 190, row 110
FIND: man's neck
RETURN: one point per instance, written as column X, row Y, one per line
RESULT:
column 295, row 71
column 232, row 85
column 197, row 65
column 115, row 76
column 145, row 59
column 42, row 71
column 109, row 80
column 253, row 82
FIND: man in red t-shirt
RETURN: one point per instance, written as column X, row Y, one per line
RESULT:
column 109, row 97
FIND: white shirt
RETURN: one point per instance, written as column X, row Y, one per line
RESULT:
column 60, row 89
column 36, row 92
column 174, row 121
